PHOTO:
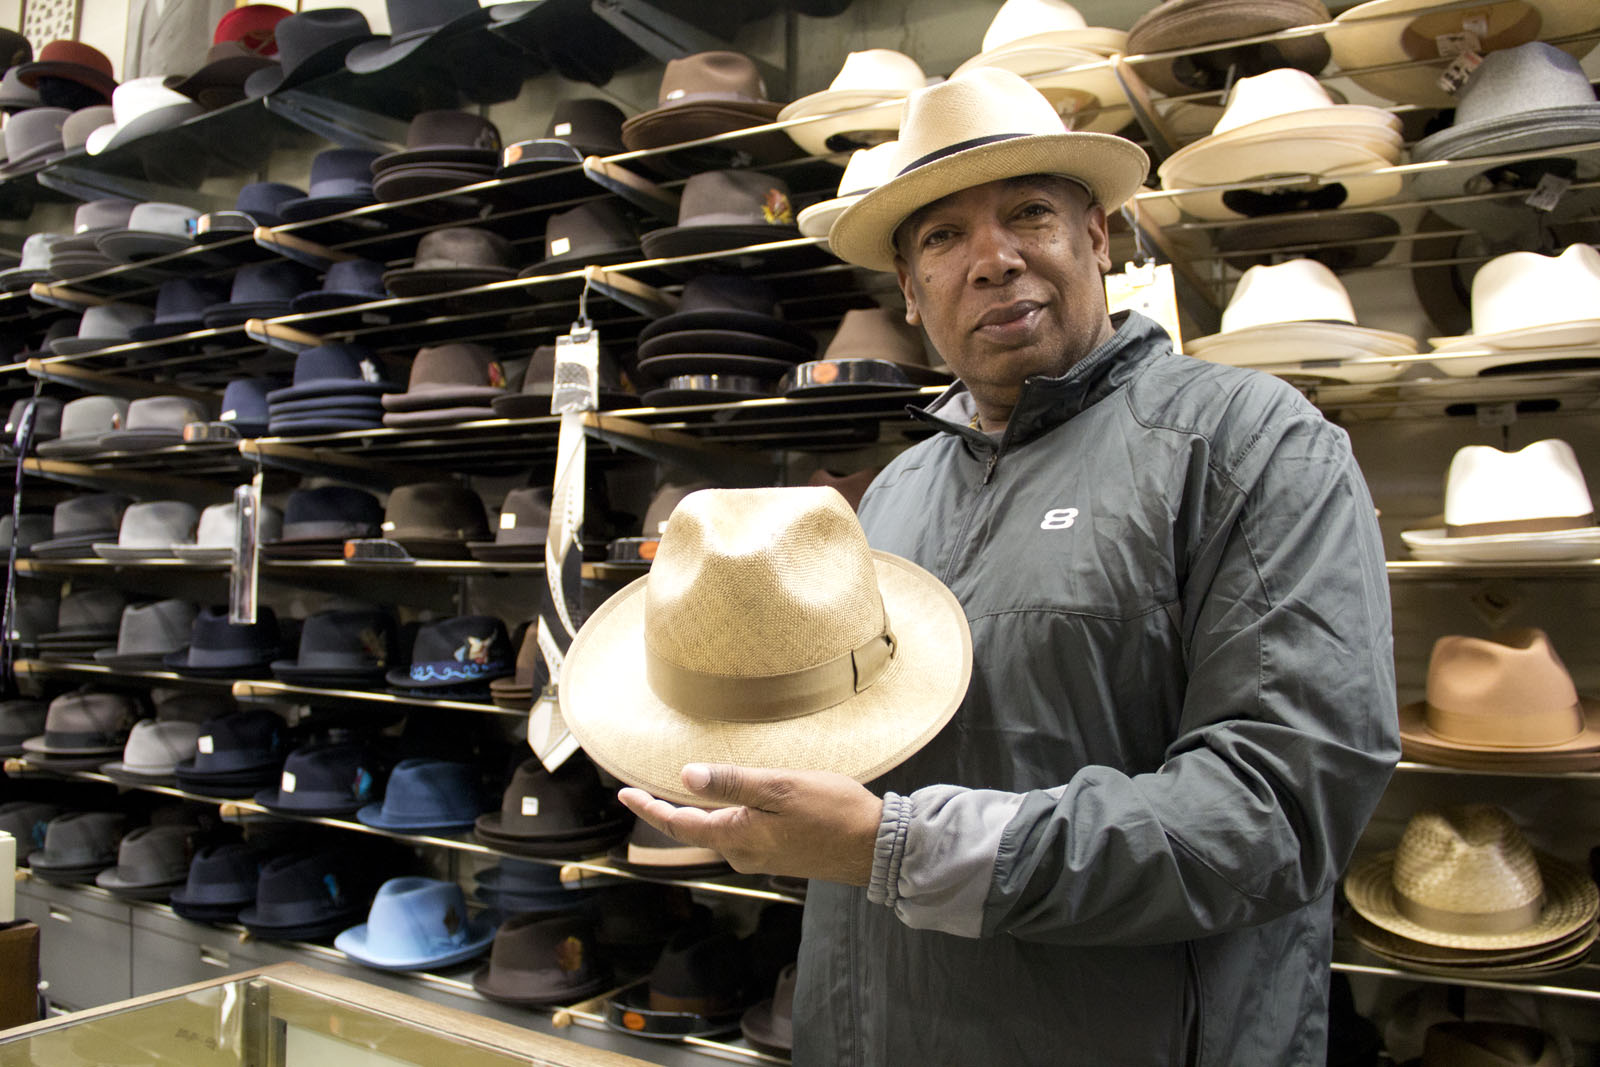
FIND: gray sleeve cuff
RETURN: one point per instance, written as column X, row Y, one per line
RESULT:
column 889, row 849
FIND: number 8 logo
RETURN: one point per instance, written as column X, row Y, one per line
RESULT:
column 1058, row 518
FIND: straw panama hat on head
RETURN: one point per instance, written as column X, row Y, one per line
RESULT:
column 981, row 126
column 767, row 634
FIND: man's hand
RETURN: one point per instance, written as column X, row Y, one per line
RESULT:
column 806, row 824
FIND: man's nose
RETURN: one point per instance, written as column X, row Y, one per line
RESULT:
column 995, row 258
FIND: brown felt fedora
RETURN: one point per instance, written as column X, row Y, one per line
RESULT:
column 702, row 95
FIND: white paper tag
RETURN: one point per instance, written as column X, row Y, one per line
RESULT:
column 1453, row 77
column 288, row 781
column 205, row 744
column 1548, row 193
column 562, row 129
column 530, row 807
column 229, row 415
column 508, row 520
column 560, row 246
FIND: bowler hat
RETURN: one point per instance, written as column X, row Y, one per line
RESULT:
column 543, row 959
column 260, row 291
column 150, row 530
column 152, row 861
column 26, row 821
column 235, row 754
column 303, row 895
column 323, row 518
column 566, row 812
column 84, row 723
column 181, row 305
column 221, row 880
column 341, row 180
column 148, row 634
column 153, row 751
column 580, row 127
column 78, row 522
column 426, row 796
column 84, row 422
column 348, row 282
column 341, row 648
column 455, row 257
column 71, row 61
column 19, row 720
column 538, row 386
column 464, row 651
column 154, row 422
column 310, row 44
column 412, row 24
column 155, row 229
column 219, row 648
column 435, row 519
column 416, row 923
column 337, row 778
column 520, row 531
column 77, row 845
column 724, row 209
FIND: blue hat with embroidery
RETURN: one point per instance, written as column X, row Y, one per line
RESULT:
column 324, row 779
column 466, row 651
column 334, row 372
column 416, row 923
column 427, row 795
column 303, row 895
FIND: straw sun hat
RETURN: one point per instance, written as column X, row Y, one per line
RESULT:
column 980, row 126
column 766, row 634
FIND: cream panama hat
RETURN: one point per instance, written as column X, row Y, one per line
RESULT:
column 981, row 126
column 1531, row 504
column 1526, row 300
column 870, row 90
column 766, row 634
column 867, row 169
column 1297, row 317
column 1466, row 878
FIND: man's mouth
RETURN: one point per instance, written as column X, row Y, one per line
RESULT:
column 1017, row 316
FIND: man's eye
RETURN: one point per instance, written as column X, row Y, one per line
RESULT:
column 936, row 236
column 1034, row 210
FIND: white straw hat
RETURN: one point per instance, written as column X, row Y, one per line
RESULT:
column 867, row 169
column 872, row 87
column 980, row 126
column 1528, row 300
column 766, row 634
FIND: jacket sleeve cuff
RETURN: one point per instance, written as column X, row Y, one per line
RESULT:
column 889, row 849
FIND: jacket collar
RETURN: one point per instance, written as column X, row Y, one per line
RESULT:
column 1047, row 402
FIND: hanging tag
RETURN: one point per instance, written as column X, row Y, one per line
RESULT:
column 1548, row 193
column 242, row 573
column 548, row 735
column 1453, row 77
column 1149, row 289
column 577, row 368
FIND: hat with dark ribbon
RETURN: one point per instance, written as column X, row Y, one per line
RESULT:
column 155, row 229
column 153, row 751
column 15, row 96
column 86, row 615
column 103, row 326
column 149, row 633
column 444, row 149
column 219, row 647
column 330, row 513
column 543, row 959
column 416, row 923
column 72, row 62
column 84, row 422
column 152, row 861
column 77, row 845
column 1183, row 25
column 724, row 209
column 303, row 895
column 328, row 778
column 593, row 233
column 33, row 137
column 464, row 651
column 236, row 754
column 566, row 812
column 24, row 532
column 697, row 986
column 538, row 386
column 702, row 95
column 426, row 795
column 80, row 521
column 341, row 180
column 150, row 530
column 521, row 528
column 310, row 44
column 648, row 851
column 256, row 205
column 516, row 692
column 218, row 527
column 154, row 422
column 456, row 257
column 84, row 723
column 35, row 263
column 220, row 881
column 580, row 127
column 435, row 519
column 340, row 648
column 332, row 371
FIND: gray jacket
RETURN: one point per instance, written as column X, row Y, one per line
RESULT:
column 1123, row 848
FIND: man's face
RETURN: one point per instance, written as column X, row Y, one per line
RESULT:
column 1006, row 279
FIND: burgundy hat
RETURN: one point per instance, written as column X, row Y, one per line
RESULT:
column 71, row 61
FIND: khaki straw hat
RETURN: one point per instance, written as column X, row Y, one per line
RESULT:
column 1465, row 877
column 767, row 634
column 981, row 126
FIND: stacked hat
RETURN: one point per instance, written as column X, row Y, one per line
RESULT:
column 515, row 887
column 244, row 406
column 141, row 106
column 341, row 180
column 1402, row 59
column 257, row 204
column 520, row 531
column 304, row 895
column 1532, row 97
column 449, row 383
column 566, row 812
column 235, row 754
column 214, row 535
column 325, row 778
column 77, row 846
column 1523, row 302
column 874, row 349
column 219, row 648
column 435, row 519
column 220, row 882
column 444, row 150
column 153, row 751
column 539, row 960
column 1049, row 43
column 69, row 74
column 455, row 257
column 466, row 652
column 516, row 693
column 1182, row 25
column 426, row 796
column 704, row 95
column 81, row 521
column 336, row 388
column 244, row 41
column 77, row 254
column 318, row 521
column 154, row 229
column 181, row 305
column 152, row 861
column 596, row 233
column 19, row 720
column 82, row 728
column 1532, row 504
column 86, row 621
column 348, row 282
column 724, row 210
column 579, row 128
column 1465, row 894
column 539, row 383
column 154, row 422
column 698, row 986
column 310, row 44
column 150, row 531
column 103, row 326
column 1300, row 310
column 341, row 648
column 26, row 821
column 650, row 852
column 260, row 291
column 33, row 138
column 1505, row 703
column 866, row 170
column 725, row 342
column 1284, row 122
column 148, row 633
column 416, row 923
column 861, row 106
column 35, row 263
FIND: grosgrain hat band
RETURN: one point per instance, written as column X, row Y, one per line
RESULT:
column 976, row 142
column 774, row 697
column 1506, row 921
column 1543, row 524
column 1541, row 727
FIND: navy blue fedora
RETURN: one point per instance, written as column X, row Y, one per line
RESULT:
column 416, row 923
column 464, row 651
column 333, row 778
column 257, row 205
column 427, row 796
column 516, row 886
column 260, row 291
column 244, row 405
column 304, row 895
column 348, row 282
column 219, row 648
column 341, row 648
column 341, row 180
column 320, row 519
column 349, row 407
column 238, row 742
column 339, row 421
column 181, row 305
column 334, row 371
column 222, row 880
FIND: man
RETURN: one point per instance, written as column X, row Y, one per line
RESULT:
column 1123, row 848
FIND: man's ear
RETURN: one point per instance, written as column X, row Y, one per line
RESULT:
column 1099, row 230
column 903, row 275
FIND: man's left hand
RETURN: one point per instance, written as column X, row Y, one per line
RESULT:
column 805, row 824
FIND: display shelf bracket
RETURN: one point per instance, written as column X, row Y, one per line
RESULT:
column 112, row 384
column 630, row 292
column 271, row 453
column 341, row 123
column 85, row 184
column 298, row 249
column 1204, row 304
column 139, row 483
column 665, row 36
column 1162, row 142
column 279, row 336
column 639, row 191
column 726, row 465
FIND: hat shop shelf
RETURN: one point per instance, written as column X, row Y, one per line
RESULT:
column 743, row 442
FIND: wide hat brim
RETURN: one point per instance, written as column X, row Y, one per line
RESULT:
column 690, row 120
column 1414, row 728
column 381, row 52
column 673, row 241
column 619, row 721
column 1112, row 168
column 1436, row 543
column 325, row 60
column 1571, row 901
column 529, row 991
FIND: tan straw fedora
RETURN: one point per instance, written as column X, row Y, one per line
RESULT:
column 766, row 634
column 1465, row 877
column 981, row 126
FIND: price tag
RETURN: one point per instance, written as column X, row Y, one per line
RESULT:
column 1548, row 193
column 1453, row 77
column 577, row 371
column 530, row 807
column 288, row 781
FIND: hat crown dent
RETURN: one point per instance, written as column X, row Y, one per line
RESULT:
column 1299, row 290
column 1467, row 860
column 1523, row 289
column 1540, row 480
column 979, row 103
column 719, row 74
column 1514, row 80
column 752, row 583
column 1019, row 19
column 1511, row 689
column 1284, row 91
